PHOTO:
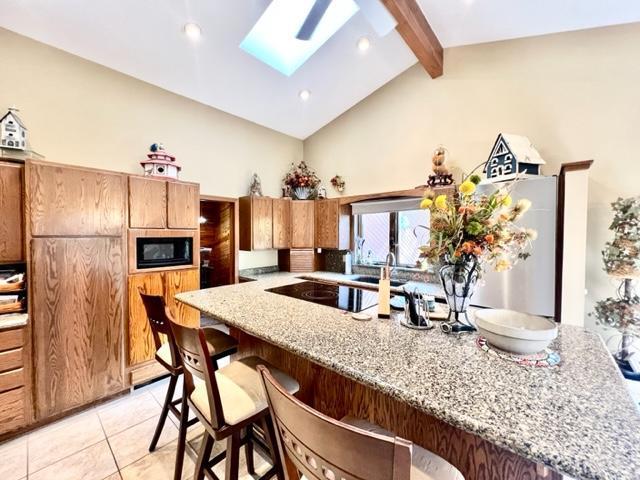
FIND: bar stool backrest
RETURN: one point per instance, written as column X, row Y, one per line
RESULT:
column 160, row 318
column 325, row 449
column 198, row 367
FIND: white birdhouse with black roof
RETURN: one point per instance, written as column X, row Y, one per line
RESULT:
column 13, row 133
column 512, row 156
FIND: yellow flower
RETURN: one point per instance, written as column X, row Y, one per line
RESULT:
column 441, row 202
column 502, row 265
column 506, row 201
column 426, row 203
column 467, row 187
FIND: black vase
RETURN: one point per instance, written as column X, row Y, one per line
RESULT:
column 459, row 279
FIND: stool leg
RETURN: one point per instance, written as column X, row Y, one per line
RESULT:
column 203, row 456
column 248, row 451
column 182, row 435
column 233, row 456
column 165, row 410
column 272, row 443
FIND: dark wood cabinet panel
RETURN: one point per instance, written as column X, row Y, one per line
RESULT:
column 256, row 223
column 11, row 232
column 333, row 224
column 147, row 203
column 140, row 343
column 298, row 260
column 76, row 319
column 70, row 201
column 281, row 223
column 183, row 205
column 302, row 223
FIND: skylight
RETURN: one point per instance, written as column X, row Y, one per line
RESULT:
column 273, row 38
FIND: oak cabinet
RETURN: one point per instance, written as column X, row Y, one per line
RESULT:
column 183, row 205
column 297, row 260
column 281, row 223
column 256, row 223
column 76, row 320
column 147, row 203
column 11, row 213
column 140, row 343
column 72, row 201
column 332, row 224
column 302, row 224
column 13, row 408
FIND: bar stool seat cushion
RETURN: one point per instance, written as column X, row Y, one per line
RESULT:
column 219, row 343
column 425, row 465
column 241, row 392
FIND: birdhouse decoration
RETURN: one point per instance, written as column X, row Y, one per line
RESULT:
column 160, row 164
column 512, row 156
column 13, row 133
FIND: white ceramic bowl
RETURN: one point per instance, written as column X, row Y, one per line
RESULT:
column 515, row 331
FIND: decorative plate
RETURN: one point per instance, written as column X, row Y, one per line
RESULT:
column 546, row 359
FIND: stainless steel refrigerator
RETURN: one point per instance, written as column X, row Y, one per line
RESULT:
column 530, row 286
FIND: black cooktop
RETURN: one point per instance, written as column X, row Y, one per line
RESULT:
column 336, row 296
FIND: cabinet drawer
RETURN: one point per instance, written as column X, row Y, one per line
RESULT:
column 11, row 359
column 11, row 379
column 10, row 339
column 11, row 410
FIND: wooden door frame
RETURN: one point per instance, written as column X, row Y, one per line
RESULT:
column 236, row 229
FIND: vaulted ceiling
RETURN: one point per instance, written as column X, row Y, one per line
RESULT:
column 145, row 39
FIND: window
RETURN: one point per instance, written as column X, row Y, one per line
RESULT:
column 400, row 232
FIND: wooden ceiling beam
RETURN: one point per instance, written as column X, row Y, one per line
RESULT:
column 417, row 34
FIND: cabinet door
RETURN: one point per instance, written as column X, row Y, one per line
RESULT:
column 10, row 213
column 302, row 223
column 281, row 223
column 261, row 223
column 332, row 224
column 167, row 284
column 147, row 203
column 70, row 201
column 183, row 205
column 76, row 317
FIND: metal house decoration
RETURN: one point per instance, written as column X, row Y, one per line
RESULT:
column 160, row 163
column 13, row 133
column 512, row 156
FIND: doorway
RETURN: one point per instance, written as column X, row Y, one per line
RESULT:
column 218, row 241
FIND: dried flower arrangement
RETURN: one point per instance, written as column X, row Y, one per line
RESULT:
column 482, row 227
column 301, row 176
column 338, row 183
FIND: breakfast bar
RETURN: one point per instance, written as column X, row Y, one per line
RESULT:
column 488, row 417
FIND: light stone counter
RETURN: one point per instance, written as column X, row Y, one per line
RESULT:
column 578, row 419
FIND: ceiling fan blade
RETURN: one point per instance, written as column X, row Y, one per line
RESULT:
column 377, row 15
column 313, row 19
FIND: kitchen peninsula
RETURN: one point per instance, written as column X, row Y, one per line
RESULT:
column 489, row 418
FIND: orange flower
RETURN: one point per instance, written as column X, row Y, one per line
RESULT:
column 467, row 247
column 477, row 250
column 489, row 238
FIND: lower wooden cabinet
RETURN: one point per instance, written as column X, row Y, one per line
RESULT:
column 139, row 342
column 13, row 407
column 12, row 410
column 76, row 320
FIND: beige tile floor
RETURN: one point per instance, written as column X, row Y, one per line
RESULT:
column 108, row 442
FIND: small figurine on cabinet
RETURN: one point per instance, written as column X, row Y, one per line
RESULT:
column 255, row 189
column 13, row 133
column 322, row 192
column 512, row 156
column 160, row 163
column 441, row 175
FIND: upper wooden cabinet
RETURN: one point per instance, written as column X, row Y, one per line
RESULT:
column 11, row 243
column 281, row 223
column 72, row 201
column 302, row 223
column 183, row 205
column 77, row 321
column 333, row 224
column 256, row 223
column 147, row 203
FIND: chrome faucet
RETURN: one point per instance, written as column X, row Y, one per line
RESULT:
column 390, row 261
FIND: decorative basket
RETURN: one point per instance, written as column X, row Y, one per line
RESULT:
column 302, row 193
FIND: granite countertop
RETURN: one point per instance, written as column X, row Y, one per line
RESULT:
column 13, row 320
column 578, row 418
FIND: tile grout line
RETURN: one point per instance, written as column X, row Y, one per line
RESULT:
column 106, row 437
column 63, row 458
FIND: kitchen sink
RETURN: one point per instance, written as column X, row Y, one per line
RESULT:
column 374, row 280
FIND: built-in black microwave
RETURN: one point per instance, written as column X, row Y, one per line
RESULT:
column 158, row 252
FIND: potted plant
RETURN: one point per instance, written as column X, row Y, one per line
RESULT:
column 302, row 181
column 470, row 232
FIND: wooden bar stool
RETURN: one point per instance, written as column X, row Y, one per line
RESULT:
column 322, row 448
column 229, row 402
column 219, row 345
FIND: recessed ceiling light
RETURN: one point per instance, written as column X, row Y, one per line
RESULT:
column 304, row 95
column 192, row 30
column 364, row 44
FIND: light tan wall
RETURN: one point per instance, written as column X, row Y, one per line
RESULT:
column 79, row 112
column 575, row 95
